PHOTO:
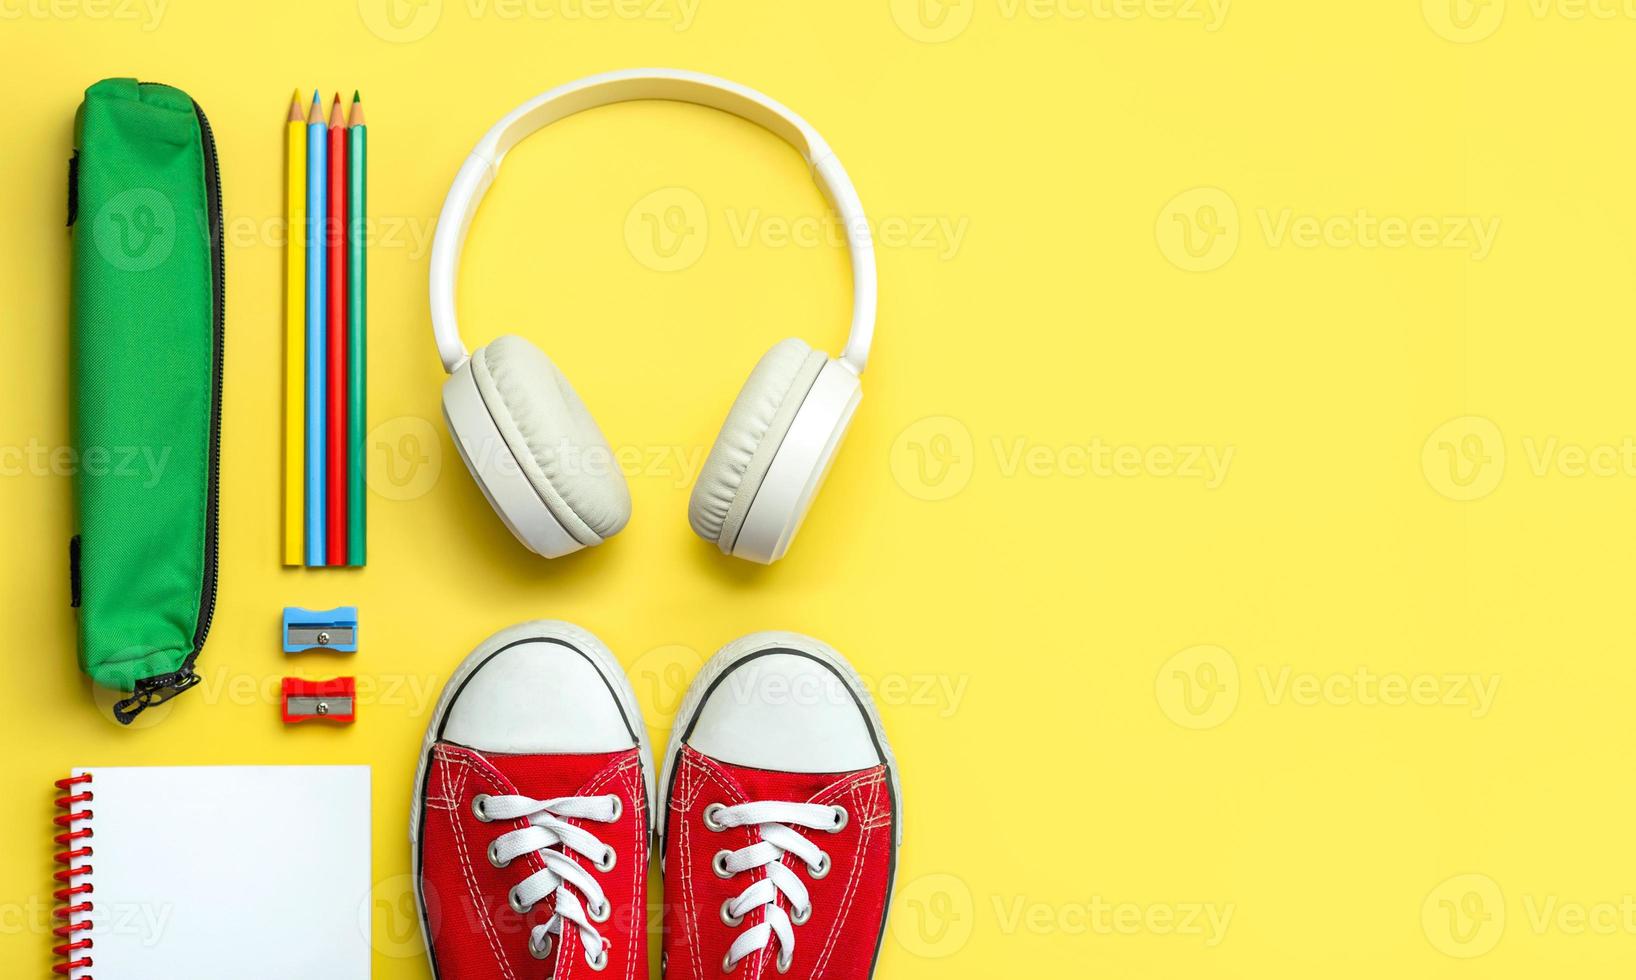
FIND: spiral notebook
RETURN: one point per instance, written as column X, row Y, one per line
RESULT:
column 189, row 873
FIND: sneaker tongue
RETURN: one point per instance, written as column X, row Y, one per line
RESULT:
column 545, row 777
column 763, row 785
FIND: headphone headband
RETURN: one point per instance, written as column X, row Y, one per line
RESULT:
column 481, row 166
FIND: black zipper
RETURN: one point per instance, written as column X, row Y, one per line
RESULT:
column 160, row 688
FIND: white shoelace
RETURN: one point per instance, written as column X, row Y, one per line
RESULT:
column 774, row 821
column 547, row 830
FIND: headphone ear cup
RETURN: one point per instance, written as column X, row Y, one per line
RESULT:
column 553, row 438
column 756, row 425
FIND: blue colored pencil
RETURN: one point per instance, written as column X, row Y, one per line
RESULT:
column 317, row 269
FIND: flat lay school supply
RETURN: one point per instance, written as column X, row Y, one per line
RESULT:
column 514, row 416
column 325, row 495
column 334, row 701
column 335, row 469
column 357, row 315
column 295, row 323
column 321, row 629
column 317, row 332
column 184, row 873
column 196, row 873
column 145, row 355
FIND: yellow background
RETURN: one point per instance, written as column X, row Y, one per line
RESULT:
column 1126, row 692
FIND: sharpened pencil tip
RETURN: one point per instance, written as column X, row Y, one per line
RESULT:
column 315, row 99
column 355, row 96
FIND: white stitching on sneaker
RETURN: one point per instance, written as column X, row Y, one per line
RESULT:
column 547, row 830
column 774, row 822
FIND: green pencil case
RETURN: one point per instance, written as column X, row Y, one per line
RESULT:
column 144, row 206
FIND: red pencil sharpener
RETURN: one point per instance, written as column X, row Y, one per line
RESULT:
column 333, row 701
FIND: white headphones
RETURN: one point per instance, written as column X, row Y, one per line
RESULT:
column 530, row 442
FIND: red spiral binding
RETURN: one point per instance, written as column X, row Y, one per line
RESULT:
column 71, row 948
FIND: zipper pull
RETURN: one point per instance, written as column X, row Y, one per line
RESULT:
column 154, row 690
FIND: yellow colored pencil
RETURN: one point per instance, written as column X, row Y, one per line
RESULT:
column 295, row 327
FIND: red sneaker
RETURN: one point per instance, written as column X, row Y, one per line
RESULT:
column 531, row 823
column 781, row 817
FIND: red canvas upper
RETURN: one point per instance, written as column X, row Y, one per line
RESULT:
column 840, row 940
column 472, row 930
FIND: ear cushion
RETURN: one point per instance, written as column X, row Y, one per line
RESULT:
column 554, row 438
column 755, row 427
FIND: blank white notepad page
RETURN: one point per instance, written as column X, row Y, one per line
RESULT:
column 251, row 872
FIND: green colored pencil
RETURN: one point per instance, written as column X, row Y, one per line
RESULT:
column 357, row 310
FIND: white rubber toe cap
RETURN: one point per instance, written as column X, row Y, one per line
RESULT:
column 787, row 710
column 532, row 694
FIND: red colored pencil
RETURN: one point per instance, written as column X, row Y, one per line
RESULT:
column 335, row 526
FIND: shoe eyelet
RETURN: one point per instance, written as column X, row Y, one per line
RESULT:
column 516, row 903
column 783, row 963
column 728, row 919
column 602, row 913
column 718, row 864
column 479, row 807
column 727, row 964
column 494, row 855
column 712, row 818
column 840, row 819
column 609, row 859
column 821, row 869
column 799, row 917
column 599, row 962
column 619, row 807
column 541, row 952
